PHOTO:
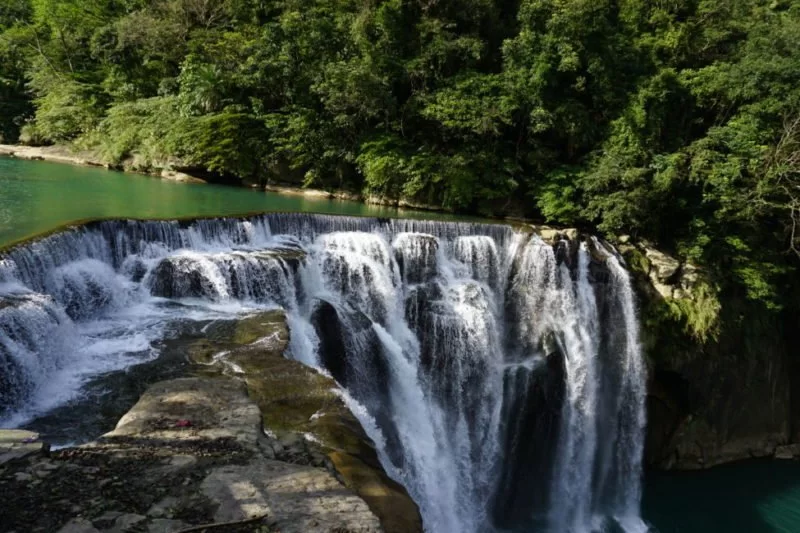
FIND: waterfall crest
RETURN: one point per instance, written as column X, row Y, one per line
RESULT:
column 500, row 376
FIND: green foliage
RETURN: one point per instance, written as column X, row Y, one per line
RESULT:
column 678, row 122
column 66, row 110
column 143, row 129
column 558, row 196
column 227, row 143
column 700, row 314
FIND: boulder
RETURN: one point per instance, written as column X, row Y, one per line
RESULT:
column 666, row 291
column 182, row 277
column 689, row 278
column 553, row 235
column 298, row 499
column 181, row 177
column 664, row 267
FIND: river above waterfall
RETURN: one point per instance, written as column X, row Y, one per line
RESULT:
column 38, row 196
column 91, row 309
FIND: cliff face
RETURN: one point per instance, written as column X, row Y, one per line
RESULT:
column 714, row 396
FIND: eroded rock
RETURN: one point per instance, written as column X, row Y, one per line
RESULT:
column 789, row 451
column 553, row 235
column 297, row 498
column 127, row 523
column 297, row 404
column 216, row 409
column 163, row 525
column 176, row 459
column 664, row 267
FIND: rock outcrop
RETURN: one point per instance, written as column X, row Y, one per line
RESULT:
column 304, row 413
column 722, row 381
column 255, row 442
column 17, row 444
column 716, row 396
column 190, row 452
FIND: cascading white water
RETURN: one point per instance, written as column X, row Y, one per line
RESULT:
column 501, row 377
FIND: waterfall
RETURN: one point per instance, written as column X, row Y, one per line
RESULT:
column 501, row 377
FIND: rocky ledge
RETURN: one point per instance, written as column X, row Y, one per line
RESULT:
column 255, row 442
column 190, row 453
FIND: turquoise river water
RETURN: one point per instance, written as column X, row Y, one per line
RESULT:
column 37, row 196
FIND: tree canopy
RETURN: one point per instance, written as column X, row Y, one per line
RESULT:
column 675, row 121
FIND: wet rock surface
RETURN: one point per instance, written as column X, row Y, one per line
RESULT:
column 190, row 452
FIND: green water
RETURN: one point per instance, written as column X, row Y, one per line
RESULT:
column 36, row 197
column 749, row 497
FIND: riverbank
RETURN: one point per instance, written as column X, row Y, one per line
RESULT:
column 41, row 196
column 66, row 155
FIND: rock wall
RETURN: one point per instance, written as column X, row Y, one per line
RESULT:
column 716, row 395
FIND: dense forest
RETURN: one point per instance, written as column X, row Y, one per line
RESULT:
column 676, row 121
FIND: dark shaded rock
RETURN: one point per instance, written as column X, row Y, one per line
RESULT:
column 351, row 351
column 419, row 304
column 86, row 289
column 349, row 347
column 135, row 269
column 723, row 400
column 78, row 525
column 181, row 277
column 789, row 451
